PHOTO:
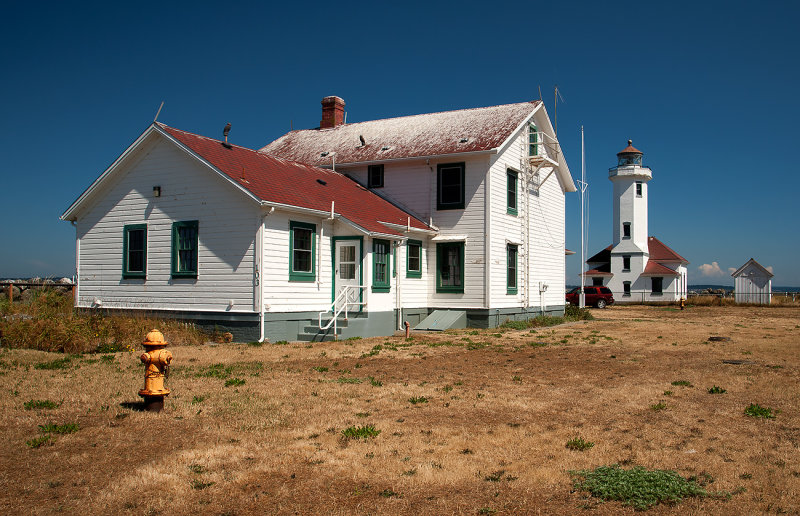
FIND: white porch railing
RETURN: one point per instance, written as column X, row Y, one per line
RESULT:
column 344, row 302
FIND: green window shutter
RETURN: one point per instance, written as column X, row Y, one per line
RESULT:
column 511, row 268
column 380, row 265
column 413, row 259
column 511, row 197
column 134, row 251
column 450, row 267
column 302, row 251
column 533, row 140
column 184, row 249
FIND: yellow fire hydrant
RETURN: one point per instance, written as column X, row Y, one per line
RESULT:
column 683, row 303
column 156, row 360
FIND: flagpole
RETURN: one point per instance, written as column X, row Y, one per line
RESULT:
column 582, row 297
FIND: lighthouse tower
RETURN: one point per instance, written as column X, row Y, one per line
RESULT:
column 629, row 251
column 636, row 266
column 630, row 200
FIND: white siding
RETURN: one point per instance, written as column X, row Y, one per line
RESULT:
column 752, row 286
column 406, row 184
column 282, row 295
column 228, row 222
column 414, row 292
column 469, row 222
column 413, row 186
column 545, row 209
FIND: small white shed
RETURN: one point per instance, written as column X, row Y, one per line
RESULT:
column 752, row 283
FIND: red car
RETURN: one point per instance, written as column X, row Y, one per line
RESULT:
column 594, row 296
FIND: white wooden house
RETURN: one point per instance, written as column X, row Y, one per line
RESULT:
column 391, row 220
column 636, row 267
column 752, row 283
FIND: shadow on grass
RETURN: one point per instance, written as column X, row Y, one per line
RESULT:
column 137, row 406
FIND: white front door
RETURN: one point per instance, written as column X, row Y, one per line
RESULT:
column 348, row 270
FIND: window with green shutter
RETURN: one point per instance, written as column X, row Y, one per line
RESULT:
column 302, row 244
column 511, row 202
column 184, row 249
column 134, row 251
column 380, row 265
column 533, row 141
column 511, row 269
column 450, row 267
column 413, row 259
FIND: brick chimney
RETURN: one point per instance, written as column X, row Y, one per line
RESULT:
column 332, row 112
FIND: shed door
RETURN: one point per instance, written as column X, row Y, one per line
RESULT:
column 348, row 269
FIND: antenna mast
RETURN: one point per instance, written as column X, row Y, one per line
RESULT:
column 159, row 111
column 556, row 96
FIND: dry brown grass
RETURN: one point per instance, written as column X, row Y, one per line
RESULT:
column 781, row 300
column 48, row 322
column 492, row 435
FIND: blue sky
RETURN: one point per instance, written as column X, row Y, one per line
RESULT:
column 707, row 90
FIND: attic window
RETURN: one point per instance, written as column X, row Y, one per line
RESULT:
column 375, row 176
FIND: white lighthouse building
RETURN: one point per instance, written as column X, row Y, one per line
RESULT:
column 636, row 266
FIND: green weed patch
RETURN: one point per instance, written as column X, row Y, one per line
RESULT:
column 360, row 432
column 638, row 487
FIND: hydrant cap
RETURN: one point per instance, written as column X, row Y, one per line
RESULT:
column 154, row 337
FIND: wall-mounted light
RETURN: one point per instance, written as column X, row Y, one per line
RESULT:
column 156, row 191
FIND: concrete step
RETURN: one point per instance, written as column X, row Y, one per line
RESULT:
column 313, row 328
column 315, row 337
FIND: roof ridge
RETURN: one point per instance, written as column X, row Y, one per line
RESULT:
column 254, row 151
column 533, row 102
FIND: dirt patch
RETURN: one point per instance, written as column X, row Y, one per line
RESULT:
column 490, row 435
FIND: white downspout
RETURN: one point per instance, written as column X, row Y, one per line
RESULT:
column 487, row 243
column 398, row 293
column 260, row 275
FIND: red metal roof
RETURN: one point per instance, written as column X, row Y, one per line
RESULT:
column 433, row 134
column 656, row 269
column 630, row 149
column 597, row 272
column 282, row 181
column 660, row 252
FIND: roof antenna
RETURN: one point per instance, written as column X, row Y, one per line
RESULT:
column 540, row 93
column 159, row 111
column 556, row 96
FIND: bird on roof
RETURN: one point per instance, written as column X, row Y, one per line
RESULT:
column 363, row 141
